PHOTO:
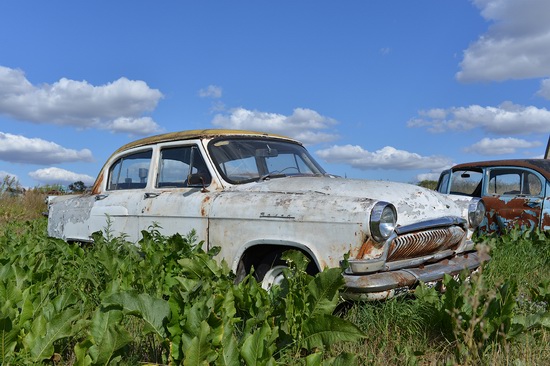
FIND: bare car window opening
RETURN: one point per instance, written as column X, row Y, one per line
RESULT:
column 246, row 160
column 177, row 164
column 466, row 182
column 513, row 182
column 130, row 171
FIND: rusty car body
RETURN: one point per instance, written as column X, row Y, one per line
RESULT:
column 256, row 195
column 516, row 192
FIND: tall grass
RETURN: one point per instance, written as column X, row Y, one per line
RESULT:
column 22, row 207
column 523, row 257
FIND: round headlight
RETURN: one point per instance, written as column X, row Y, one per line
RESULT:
column 476, row 212
column 382, row 221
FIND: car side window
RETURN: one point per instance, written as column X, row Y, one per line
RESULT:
column 130, row 171
column 466, row 182
column 534, row 185
column 177, row 164
column 513, row 182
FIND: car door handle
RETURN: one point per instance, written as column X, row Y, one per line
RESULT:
column 150, row 195
column 101, row 197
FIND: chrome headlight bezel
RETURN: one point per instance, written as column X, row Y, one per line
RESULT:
column 476, row 212
column 383, row 221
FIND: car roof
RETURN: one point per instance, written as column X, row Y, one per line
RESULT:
column 540, row 165
column 196, row 134
column 184, row 135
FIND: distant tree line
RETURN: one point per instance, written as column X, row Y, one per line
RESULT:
column 430, row 184
column 11, row 186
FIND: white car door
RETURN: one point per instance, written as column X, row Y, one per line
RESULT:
column 177, row 200
column 116, row 210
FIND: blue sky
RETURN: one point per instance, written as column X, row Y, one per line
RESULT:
column 379, row 89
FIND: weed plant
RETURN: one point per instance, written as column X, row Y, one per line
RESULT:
column 167, row 301
column 164, row 301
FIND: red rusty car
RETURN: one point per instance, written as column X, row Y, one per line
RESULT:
column 516, row 193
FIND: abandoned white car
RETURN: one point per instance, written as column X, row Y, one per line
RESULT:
column 256, row 195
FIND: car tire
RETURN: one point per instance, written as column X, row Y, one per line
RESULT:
column 269, row 271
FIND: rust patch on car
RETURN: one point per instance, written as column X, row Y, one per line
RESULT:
column 205, row 201
column 506, row 213
column 97, row 184
column 368, row 247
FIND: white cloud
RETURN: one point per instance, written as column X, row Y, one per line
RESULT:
column 78, row 103
column 500, row 146
column 515, row 45
column 211, row 91
column 20, row 149
column 134, row 126
column 507, row 118
column 544, row 90
column 385, row 158
column 60, row 176
column 304, row 124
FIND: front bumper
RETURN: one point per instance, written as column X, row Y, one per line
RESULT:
column 384, row 285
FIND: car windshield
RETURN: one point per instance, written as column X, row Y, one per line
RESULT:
column 466, row 183
column 243, row 160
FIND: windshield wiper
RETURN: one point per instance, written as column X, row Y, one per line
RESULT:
column 271, row 175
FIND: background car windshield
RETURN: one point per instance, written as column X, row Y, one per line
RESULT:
column 466, row 182
column 247, row 160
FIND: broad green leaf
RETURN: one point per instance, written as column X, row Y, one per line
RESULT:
column 428, row 295
column 8, row 338
column 194, row 268
column 314, row 359
column 194, row 317
column 81, row 353
column 325, row 288
column 200, row 350
column 44, row 333
column 296, row 259
column 64, row 300
column 21, row 275
column 325, row 330
column 258, row 348
column 152, row 310
column 27, row 307
column 108, row 336
column 229, row 354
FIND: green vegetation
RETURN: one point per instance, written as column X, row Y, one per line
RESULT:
column 166, row 301
column 170, row 302
column 430, row 184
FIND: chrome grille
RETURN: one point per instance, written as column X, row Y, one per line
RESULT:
column 419, row 243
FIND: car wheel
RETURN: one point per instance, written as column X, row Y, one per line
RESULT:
column 269, row 271
column 273, row 277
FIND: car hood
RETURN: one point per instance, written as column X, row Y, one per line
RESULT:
column 413, row 203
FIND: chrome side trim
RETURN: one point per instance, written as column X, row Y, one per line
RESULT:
column 430, row 224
